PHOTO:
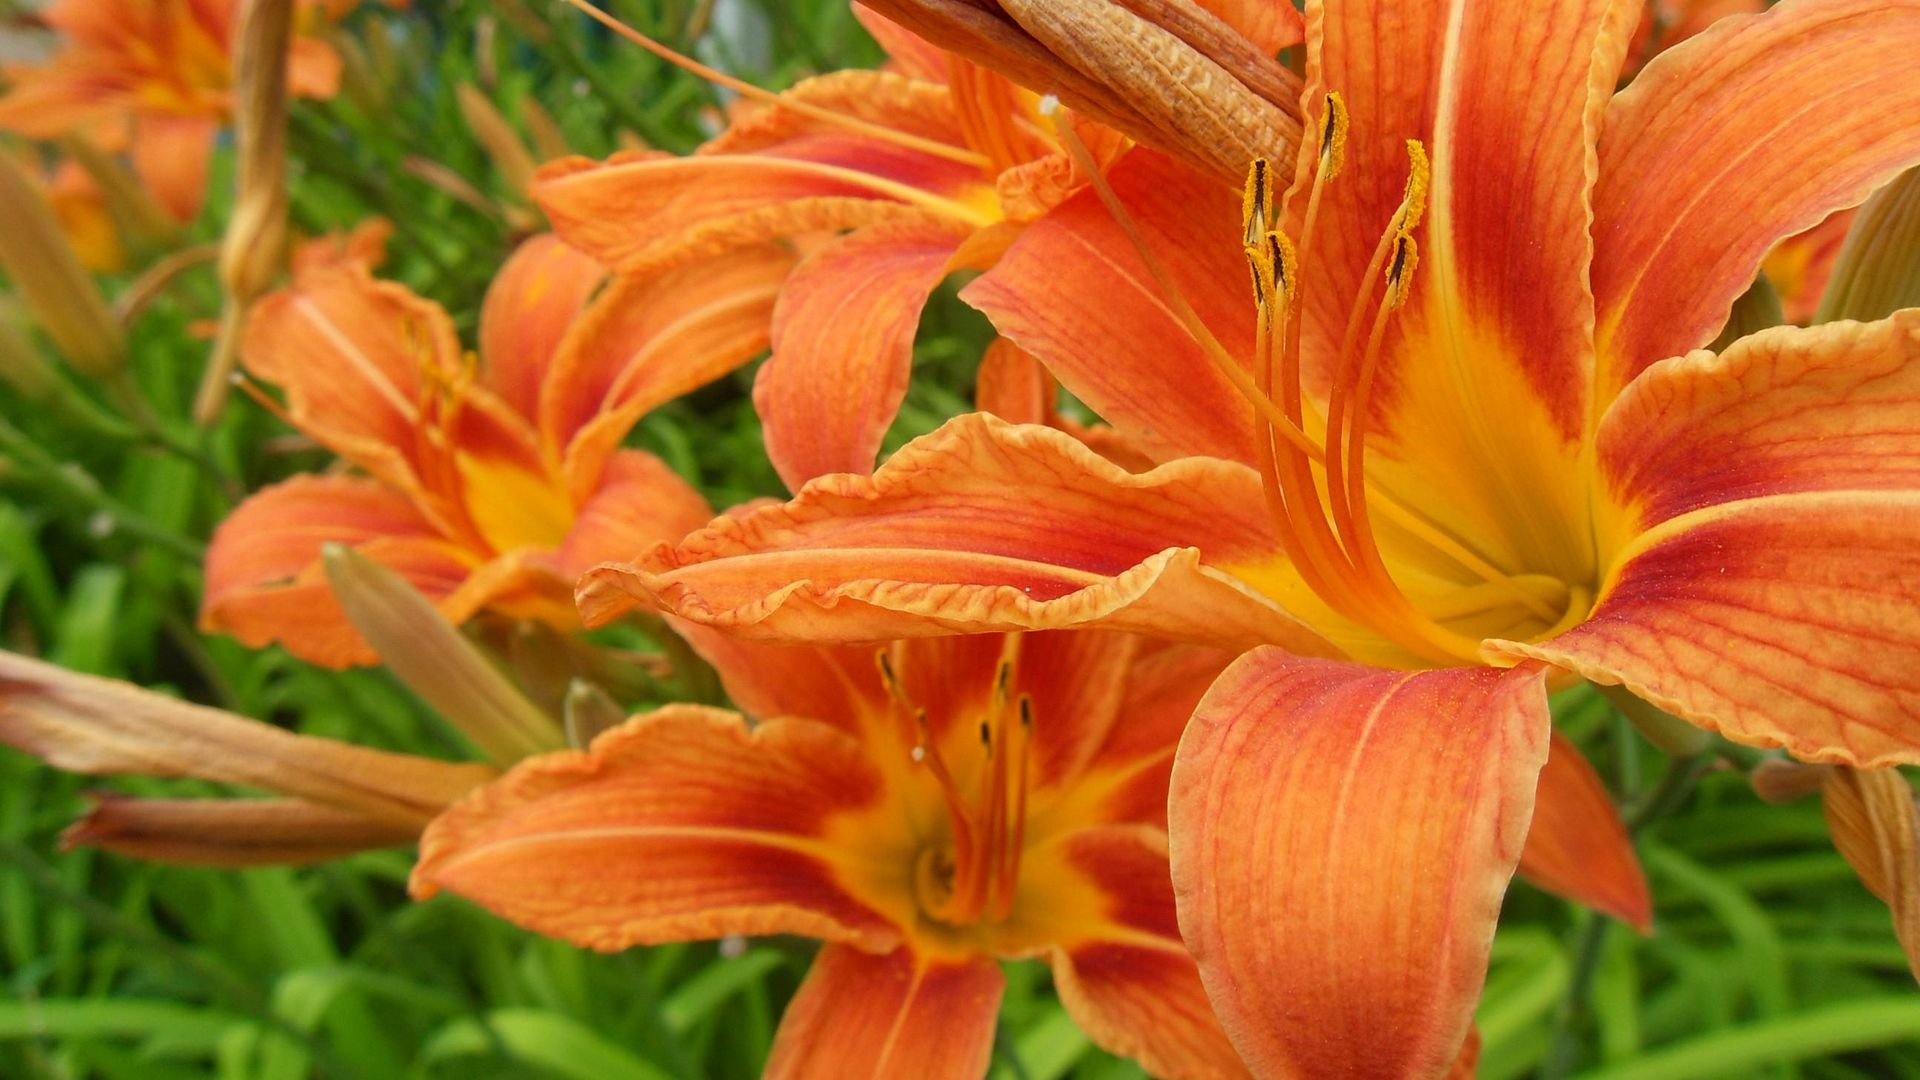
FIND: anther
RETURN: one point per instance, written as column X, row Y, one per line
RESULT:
column 1406, row 255
column 1256, row 203
column 1333, row 135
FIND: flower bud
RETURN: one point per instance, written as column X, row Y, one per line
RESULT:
column 435, row 661
column 253, row 249
column 64, row 300
column 1878, row 271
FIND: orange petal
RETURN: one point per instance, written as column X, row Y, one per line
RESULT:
column 1785, row 410
column 534, row 299
column 843, row 347
column 231, row 832
column 834, row 685
column 1801, row 265
column 1577, row 846
column 263, row 577
column 1705, row 163
column 1517, row 94
column 633, row 211
column 641, row 502
column 1270, row 26
column 908, row 53
column 365, row 243
column 979, row 526
column 1164, row 686
column 171, row 155
column 350, row 352
column 279, row 530
column 1342, row 836
column 859, row 1015
column 1072, row 292
column 1785, row 620
column 1467, row 1064
column 1138, row 994
column 920, row 108
column 103, row 726
column 649, row 338
column 313, row 68
column 1507, row 99
column 679, row 825
column 1013, row 385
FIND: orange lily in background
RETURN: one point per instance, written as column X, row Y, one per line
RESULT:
column 151, row 77
column 928, row 167
column 1479, row 458
column 81, row 206
column 333, row 798
column 489, row 484
column 924, row 807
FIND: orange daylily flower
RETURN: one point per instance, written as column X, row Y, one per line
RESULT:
column 1481, row 457
column 152, row 77
column 925, row 808
column 930, row 166
column 489, row 484
column 331, row 798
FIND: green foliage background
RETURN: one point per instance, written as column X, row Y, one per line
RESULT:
column 1768, row 958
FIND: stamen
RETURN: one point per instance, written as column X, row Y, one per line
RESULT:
column 1333, row 136
column 748, row 90
column 1016, row 846
column 966, row 839
column 1256, row 205
column 1183, row 312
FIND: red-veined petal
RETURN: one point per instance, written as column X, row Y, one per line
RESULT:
column 640, row 502
column 679, row 825
column 1577, row 846
column 263, row 575
column 1073, row 292
column 979, row 526
column 636, row 211
column 350, row 353
column 908, row 53
column 843, row 347
column 1129, row 772
column 861, row 1016
column 1786, row 620
column 1749, row 132
column 1013, row 385
column 1825, row 408
column 1134, row 990
column 533, row 301
column 1342, row 837
column 649, row 338
column 1484, row 373
column 1268, row 25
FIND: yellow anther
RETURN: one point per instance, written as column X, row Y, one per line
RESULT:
column 1419, row 180
column 1256, row 203
column 1333, row 136
column 1260, row 265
